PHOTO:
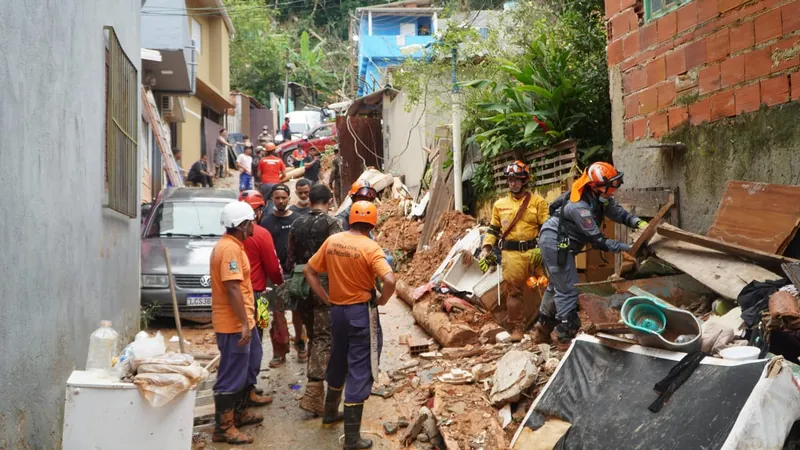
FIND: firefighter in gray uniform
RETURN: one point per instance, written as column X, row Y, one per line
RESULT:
column 573, row 223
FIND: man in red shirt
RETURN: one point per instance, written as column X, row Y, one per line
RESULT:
column 264, row 265
column 271, row 169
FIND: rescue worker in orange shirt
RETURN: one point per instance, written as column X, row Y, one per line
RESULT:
column 233, row 319
column 514, row 228
column 352, row 261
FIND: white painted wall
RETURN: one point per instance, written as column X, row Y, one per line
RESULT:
column 66, row 262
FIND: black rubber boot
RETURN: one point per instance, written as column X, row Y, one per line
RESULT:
column 332, row 414
column 352, row 428
column 567, row 329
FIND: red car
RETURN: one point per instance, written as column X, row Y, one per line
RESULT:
column 320, row 136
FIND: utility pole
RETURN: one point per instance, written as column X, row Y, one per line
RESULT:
column 457, row 169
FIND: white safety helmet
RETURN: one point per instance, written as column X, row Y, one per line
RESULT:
column 234, row 213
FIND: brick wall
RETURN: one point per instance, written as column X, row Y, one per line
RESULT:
column 705, row 61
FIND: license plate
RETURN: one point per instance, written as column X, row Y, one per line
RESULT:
column 198, row 300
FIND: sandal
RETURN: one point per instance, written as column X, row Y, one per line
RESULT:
column 277, row 361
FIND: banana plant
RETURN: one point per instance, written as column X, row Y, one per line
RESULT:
column 537, row 106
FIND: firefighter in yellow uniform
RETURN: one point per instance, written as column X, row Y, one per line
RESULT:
column 514, row 228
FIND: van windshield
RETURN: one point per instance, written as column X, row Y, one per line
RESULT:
column 187, row 219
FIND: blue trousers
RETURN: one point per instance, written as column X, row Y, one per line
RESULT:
column 349, row 363
column 238, row 366
column 245, row 181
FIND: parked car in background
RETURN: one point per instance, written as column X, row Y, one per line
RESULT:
column 321, row 136
column 300, row 123
column 187, row 222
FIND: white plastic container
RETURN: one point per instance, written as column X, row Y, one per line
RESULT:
column 102, row 348
column 741, row 353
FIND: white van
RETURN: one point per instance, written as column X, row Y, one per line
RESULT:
column 300, row 123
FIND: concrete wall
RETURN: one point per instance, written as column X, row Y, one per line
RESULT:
column 67, row 262
column 189, row 132
column 684, row 75
column 406, row 132
column 164, row 28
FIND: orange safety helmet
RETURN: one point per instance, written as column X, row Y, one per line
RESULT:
column 362, row 188
column 270, row 147
column 364, row 212
column 517, row 169
column 603, row 174
column 252, row 198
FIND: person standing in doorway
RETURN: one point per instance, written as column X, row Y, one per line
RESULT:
column 279, row 224
column 307, row 235
column 286, row 131
column 233, row 319
column 302, row 189
column 271, row 170
column 352, row 261
column 198, row 174
column 221, row 152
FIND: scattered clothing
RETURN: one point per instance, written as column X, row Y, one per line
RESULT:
column 754, row 299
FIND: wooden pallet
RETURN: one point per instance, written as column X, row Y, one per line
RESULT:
column 549, row 166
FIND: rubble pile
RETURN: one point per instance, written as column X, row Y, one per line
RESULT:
column 451, row 227
column 474, row 404
column 395, row 231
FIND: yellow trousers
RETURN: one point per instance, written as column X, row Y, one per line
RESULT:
column 516, row 269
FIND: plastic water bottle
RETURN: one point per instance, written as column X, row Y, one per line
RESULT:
column 102, row 348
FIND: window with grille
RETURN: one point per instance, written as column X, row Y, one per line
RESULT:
column 122, row 122
column 654, row 9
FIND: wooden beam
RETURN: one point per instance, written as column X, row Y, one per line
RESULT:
column 769, row 260
column 650, row 231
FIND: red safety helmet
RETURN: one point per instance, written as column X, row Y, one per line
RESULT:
column 604, row 175
column 517, row 169
column 362, row 188
column 364, row 212
column 252, row 198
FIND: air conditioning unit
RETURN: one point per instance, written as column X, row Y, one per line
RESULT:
column 167, row 107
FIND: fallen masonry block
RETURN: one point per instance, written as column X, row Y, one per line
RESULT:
column 516, row 372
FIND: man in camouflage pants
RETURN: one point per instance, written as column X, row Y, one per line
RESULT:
column 307, row 235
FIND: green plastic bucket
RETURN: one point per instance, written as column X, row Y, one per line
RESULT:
column 647, row 318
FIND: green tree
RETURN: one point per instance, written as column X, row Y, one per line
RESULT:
column 257, row 51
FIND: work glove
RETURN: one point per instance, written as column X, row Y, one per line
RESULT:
column 536, row 258
column 488, row 259
column 262, row 317
column 641, row 224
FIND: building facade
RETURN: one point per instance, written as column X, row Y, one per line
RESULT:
column 384, row 32
column 210, row 33
column 720, row 77
column 70, row 236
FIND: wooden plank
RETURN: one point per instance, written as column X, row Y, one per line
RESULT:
column 792, row 271
column 769, row 260
column 724, row 274
column 650, row 231
column 757, row 215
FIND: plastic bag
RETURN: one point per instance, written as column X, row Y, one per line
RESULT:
column 160, row 388
column 176, row 359
column 146, row 347
column 194, row 372
column 124, row 366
